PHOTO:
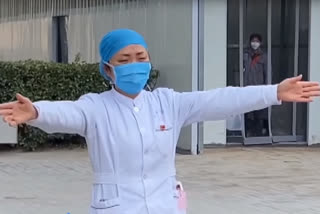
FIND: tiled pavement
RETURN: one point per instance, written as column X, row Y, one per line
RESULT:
column 221, row 181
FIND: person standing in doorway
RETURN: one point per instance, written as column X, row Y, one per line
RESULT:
column 256, row 73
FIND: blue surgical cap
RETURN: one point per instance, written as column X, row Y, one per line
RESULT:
column 116, row 40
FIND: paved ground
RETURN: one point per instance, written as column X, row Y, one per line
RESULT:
column 222, row 181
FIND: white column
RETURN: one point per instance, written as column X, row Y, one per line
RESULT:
column 215, row 61
column 314, row 69
column 8, row 135
column 195, row 71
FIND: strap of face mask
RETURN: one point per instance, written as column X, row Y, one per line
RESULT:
column 112, row 67
column 148, row 88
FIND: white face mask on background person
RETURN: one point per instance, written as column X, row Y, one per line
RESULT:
column 255, row 45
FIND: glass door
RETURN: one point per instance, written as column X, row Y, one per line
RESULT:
column 289, row 36
column 283, row 27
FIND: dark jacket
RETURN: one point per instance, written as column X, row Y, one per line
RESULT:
column 256, row 73
column 255, row 67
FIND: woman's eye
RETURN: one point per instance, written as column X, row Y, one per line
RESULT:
column 123, row 61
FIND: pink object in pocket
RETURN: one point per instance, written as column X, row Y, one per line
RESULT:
column 182, row 201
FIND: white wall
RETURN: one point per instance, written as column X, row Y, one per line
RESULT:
column 215, row 61
column 27, row 39
column 7, row 133
column 314, row 116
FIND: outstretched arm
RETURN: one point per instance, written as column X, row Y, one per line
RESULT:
column 61, row 116
column 221, row 103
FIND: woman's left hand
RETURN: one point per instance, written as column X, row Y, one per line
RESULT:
column 296, row 90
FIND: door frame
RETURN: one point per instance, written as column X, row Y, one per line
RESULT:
column 271, row 139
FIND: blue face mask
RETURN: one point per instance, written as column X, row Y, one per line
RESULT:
column 131, row 78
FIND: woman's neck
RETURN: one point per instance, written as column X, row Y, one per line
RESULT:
column 125, row 94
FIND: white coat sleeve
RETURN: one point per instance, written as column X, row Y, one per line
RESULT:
column 70, row 117
column 219, row 104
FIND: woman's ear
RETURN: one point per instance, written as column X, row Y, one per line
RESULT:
column 109, row 72
column 107, row 69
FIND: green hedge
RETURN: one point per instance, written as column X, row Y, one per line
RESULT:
column 39, row 80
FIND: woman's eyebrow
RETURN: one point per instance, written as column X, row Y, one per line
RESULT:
column 125, row 54
column 141, row 53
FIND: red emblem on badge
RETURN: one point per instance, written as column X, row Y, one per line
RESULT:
column 162, row 127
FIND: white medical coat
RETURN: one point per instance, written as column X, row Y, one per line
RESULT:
column 132, row 142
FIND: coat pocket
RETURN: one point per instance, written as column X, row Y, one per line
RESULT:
column 105, row 198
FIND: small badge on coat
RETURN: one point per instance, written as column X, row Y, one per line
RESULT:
column 162, row 127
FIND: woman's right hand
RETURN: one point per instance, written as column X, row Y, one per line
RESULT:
column 18, row 112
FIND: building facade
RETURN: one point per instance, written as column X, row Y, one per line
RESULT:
column 196, row 45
